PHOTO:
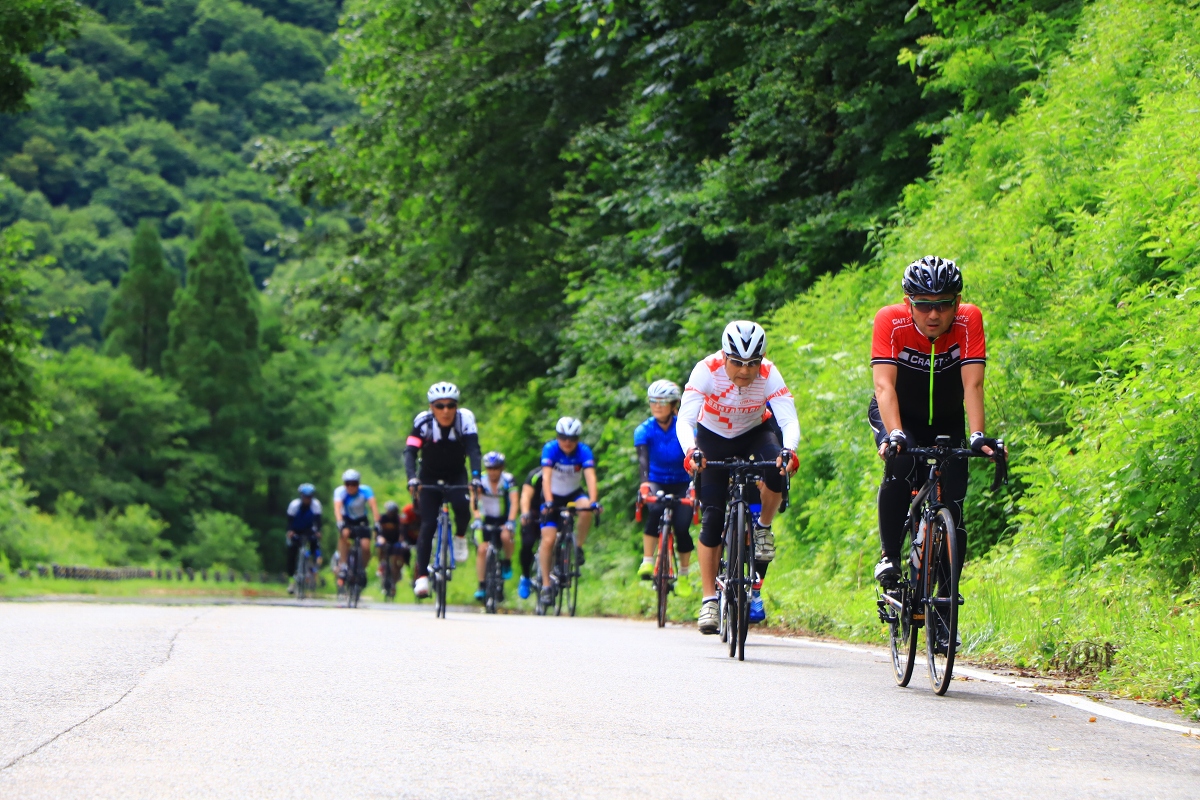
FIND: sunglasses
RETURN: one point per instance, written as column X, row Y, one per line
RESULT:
column 444, row 406
column 753, row 363
column 925, row 306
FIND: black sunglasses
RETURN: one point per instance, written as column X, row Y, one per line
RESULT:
column 925, row 306
column 754, row 363
column 444, row 406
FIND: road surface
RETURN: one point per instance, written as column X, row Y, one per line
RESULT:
column 129, row 701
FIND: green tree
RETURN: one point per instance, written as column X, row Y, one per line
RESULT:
column 213, row 351
column 136, row 323
column 18, row 334
column 27, row 26
column 222, row 540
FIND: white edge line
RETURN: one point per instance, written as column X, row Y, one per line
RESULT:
column 1075, row 701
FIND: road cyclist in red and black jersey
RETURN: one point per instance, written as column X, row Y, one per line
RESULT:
column 568, row 476
column 445, row 438
column 398, row 531
column 927, row 361
column 727, row 403
column 495, row 516
column 661, row 469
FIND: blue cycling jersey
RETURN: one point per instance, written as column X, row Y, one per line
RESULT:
column 354, row 506
column 568, row 469
column 666, row 456
column 302, row 519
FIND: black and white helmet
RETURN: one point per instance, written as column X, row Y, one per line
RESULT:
column 442, row 391
column 569, row 426
column 351, row 476
column 493, row 460
column 932, row 275
column 663, row 390
column 744, row 339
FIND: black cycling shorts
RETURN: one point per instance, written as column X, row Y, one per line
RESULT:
column 550, row 515
column 759, row 442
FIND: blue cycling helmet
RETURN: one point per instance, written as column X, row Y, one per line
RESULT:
column 307, row 490
column 493, row 460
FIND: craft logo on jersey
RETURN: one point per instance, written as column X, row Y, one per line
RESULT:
column 919, row 360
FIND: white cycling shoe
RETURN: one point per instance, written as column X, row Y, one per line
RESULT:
column 710, row 617
column 460, row 549
column 764, row 543
column 421, row 587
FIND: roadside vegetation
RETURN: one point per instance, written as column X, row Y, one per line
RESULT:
column 554, row 203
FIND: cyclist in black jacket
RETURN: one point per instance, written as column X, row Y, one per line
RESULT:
column 445, row 436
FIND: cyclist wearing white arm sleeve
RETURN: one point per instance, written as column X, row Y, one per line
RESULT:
column 726, row 403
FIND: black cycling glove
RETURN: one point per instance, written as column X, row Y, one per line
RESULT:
column 897, row 441
column 979, row 441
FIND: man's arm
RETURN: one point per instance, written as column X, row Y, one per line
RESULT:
column 339, row 512
column 374, row 508
column 885, row 393
column 589, row 477
column 547, row 491
column 526, row 500
column 514, row 505
column 972, row 378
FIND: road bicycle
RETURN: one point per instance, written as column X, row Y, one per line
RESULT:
column 926, row 595
column 390, row 575
column 666, row 567
column 306, row 566
column 356, row 573
column 564, row 573
column 493, row 571
column 738, row 577
column 441, row 570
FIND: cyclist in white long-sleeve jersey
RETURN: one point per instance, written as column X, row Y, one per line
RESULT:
column 727, row 404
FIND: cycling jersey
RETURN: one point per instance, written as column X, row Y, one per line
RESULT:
column 665, row 455
column 714, row 402
column 304, row 519
column 354, row 506
column 898, row 341
column 442, row 449
column 567, row 474
column 495, row 503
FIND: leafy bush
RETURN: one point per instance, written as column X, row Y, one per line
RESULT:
column 222, row 540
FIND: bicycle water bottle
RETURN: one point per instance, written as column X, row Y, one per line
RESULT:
column 915, row 558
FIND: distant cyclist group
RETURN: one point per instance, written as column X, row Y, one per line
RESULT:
column 735, row 416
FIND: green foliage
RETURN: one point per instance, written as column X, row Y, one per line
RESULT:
column 222, row 540
column 27, row 26
column 17, row 331
column 213, row 350
column 136, row 322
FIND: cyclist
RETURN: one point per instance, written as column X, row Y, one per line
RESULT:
column 495, row 507
column 531, row 534
column 351, row 501
column 660, row 463
column 444, row 436
column 303, row 522
column 566, row 463
column 927, row 360
column 727, row 403
column 395, row 536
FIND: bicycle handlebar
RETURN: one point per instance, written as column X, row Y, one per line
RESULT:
column 943, row 454
column 741, row 465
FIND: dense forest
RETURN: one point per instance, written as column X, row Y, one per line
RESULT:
column 554, row 203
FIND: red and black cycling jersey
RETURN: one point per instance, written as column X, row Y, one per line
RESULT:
column 898, row 341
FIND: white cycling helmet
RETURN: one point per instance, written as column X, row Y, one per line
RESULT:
column 351, row 476
column 442, row 391
column 568, row 426
column 663, row 390
column 744, row 339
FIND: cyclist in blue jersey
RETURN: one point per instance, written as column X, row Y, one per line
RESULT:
column 660, row 462
column 303, row 522
column 567, row 463
column 351, row 502
column 495, row 507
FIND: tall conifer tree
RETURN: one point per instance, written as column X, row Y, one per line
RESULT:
column 136, row 323
column 213, row 351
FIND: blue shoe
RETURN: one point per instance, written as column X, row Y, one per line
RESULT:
column 507, row 573
column 480, row 594
column 524, row 589
column 757, row 612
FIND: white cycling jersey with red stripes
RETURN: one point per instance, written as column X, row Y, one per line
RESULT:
column 713, row 400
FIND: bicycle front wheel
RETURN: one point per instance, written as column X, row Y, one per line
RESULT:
column 733, row 571
column 746, row 558
column 663, row 573
column 902, row 633
column 301, row 578
column 572, row 587
column 941, row 600
column 494, row 582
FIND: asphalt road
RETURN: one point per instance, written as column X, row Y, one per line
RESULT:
column 130, row 701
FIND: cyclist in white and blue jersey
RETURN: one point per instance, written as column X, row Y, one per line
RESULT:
column 495, row 507
column 567, row 465
column 660, row 462
column 351, row 502
column 303, row 524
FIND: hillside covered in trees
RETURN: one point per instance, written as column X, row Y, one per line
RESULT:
column 554, row 203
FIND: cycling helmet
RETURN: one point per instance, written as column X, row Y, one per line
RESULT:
column 390, row 506
column 493, row 460
column 442, row 391
column 663, row 390
column 569, row 426
column 351, row 476
column 744, row 339
column 932, row 275
column 306, row 490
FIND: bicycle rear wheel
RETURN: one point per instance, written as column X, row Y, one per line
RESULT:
column 663, row 572
column 902, row 633
column 941, row 604
column 723, row 615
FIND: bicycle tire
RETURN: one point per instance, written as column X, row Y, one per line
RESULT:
column 301, row 578
column 941, row 599
column 902, row 632
column 722, row 615
column 746, row 574
column 732, row 570
column 560, row 574
column 491, row 575
column 351, row 579
column 662, row 571
column 440, row 571
column 572, row 587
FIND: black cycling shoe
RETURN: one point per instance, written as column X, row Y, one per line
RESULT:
column 579, row 559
